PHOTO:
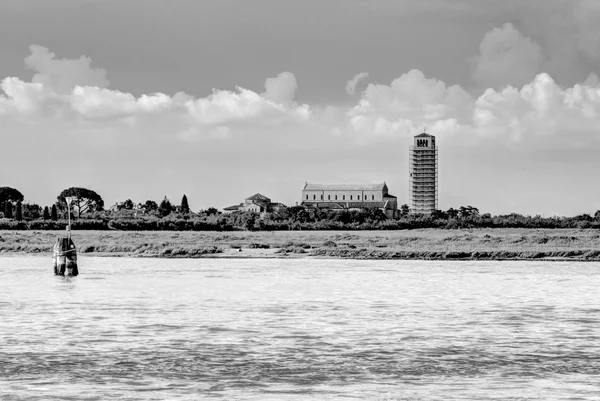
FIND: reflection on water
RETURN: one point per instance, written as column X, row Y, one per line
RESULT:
column 151, row 329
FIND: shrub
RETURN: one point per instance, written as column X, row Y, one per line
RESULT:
column 256, row 245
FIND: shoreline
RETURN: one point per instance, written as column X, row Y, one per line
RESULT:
column 310, row 257
column 306, row 256
column 558, row 245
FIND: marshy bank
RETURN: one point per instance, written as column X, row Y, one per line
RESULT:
column 434, row 244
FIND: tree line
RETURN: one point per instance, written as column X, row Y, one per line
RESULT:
column 88, row 213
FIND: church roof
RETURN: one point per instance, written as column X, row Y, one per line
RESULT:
column 344, row 187
column 234, row 207
column 424, row 134
column 258, row 197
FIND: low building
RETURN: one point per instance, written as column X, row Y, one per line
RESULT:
column 350, row 197
column 256, row 203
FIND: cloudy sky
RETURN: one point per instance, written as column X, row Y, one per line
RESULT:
column 219, row 100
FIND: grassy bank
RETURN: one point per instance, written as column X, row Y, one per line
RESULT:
column 484, row 244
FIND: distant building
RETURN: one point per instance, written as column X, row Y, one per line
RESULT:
column 423, row 178
column 350, row 196
column 256, row 203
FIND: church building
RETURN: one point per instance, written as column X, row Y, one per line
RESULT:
column 350, row 197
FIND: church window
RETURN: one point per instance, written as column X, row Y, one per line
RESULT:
column 306, row 197
column 328, row 197
column 336, row 197
column 372, row 197
column 314, row 197
column 321, row 196
column 343, row 197
column 350, row 197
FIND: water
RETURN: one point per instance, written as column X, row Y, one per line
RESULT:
column 152, row 329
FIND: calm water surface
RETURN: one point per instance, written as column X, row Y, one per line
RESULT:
column 151, row 329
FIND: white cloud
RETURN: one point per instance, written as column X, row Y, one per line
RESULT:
column 538, row 111
column 22, row 96
column 92, row 102
column 223, row 107
column 506, row 57
column 70, row 91
column 281, row 89
column 351, row 84
column 566, row 32
column 592, row 80
column 541, row 109
column 62, row 75
column 412, row 102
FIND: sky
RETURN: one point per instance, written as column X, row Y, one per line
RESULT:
column 218, row 100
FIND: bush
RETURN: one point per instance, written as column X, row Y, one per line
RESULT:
column 291, row 249
column 255, row 245
column 13, row 225
column 292, row 244
column 89, row 225
column 46, row 225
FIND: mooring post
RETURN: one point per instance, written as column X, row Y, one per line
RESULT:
column 65, row 253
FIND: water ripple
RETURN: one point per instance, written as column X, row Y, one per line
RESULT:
column 292, row 330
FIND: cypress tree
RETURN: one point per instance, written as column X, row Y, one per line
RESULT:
column 54, row 213
column 185, row 207
column 19, row 212
column 46, row 213
column 165, row 208
column 8, row 210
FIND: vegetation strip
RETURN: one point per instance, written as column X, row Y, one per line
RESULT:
column 427, row 244
column 89, row 214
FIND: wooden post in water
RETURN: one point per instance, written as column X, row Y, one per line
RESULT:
column 64, row 252
column 65, row 257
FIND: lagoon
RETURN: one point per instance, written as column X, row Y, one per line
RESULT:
column 273, row 329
